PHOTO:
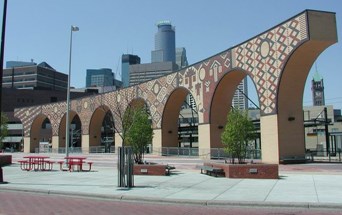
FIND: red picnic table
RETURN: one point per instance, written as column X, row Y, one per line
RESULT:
column 36, row 162
column 75, row 163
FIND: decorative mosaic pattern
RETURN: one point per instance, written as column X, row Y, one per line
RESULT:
column 264, row 58
column 27, row 115
column 54, row 112
column 201, row 80
column 85, row 107
column 155, row 93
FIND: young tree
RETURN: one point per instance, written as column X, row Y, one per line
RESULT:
column 3, row 129
column 132, row 123
column 140, row 133
column 238, row 132
column 121, row 115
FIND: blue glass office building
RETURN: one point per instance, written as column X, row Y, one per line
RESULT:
column 165, row 43
column 126, row 61
column 99, row 77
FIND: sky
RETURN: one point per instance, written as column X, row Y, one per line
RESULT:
column 40, row 30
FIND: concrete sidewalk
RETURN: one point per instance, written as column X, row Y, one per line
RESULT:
column 186, row 185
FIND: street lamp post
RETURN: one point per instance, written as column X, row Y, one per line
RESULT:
column 1, row 71
column 67, row 127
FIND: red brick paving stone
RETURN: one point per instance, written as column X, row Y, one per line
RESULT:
column 15, row 203
column 313, row 167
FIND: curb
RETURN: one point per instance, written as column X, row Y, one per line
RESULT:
column 208, row 203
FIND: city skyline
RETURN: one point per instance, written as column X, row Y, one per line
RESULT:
column 109, row 29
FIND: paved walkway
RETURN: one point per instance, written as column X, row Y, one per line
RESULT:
column 309, row 185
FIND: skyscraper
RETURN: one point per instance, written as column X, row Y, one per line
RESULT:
column 163, row 57
column 99, row 77
column 240, row 100
column 148, row 71
column 181, row 59
column 164, row 43
column 126, row 61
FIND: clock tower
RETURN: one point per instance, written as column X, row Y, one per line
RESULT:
column 317, row 88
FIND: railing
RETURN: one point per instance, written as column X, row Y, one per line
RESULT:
column 219, row 153
column 324, row 156
column 214, row 153
column 77, row 150
column 179, row 151
column 101, row 149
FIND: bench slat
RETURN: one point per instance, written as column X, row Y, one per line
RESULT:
column 209, row 170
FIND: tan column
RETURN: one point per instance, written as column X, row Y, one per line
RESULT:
column 269, row 139
column 157, row 141
column 27, row 144
column 55, row 142
column 85, row 143
column 204, row 141
column 118, row 140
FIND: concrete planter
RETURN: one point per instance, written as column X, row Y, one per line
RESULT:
column 256, row 171
column 5, row 160
column 149, row 169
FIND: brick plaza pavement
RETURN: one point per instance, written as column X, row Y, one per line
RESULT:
column 305, row 186
column 21, row 203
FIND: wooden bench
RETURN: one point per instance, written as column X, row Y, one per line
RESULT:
column 293, row 159
column 209, row 170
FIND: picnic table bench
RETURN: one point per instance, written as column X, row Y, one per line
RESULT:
column 75, row 163
column 209, row 170
column 36, row 162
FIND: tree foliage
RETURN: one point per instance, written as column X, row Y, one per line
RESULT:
column 121, row 115
column 4, row 128
column 140, row 132
column 238, row 132
column 132, row 123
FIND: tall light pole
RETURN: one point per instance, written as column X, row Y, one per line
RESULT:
column 2, row 50
column 1, row 71
column 67, row 127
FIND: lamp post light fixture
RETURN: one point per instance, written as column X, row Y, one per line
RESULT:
column 67, row 127
column 2, row 48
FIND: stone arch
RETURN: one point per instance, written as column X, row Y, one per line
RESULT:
column 137, row 102
column 278, row 59
column 221, row 104
column 188, row 123
column 74, row 118
column 290, row 98
column 37, row 132
column 171, row 115
column 95, row 125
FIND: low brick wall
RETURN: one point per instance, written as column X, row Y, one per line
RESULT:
column 146, row 169
column 5, row 160
column 258, row 171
